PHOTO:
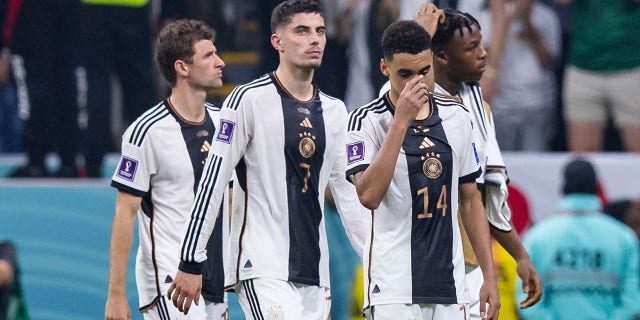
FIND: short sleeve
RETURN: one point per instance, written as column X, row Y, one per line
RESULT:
column 469, row 161
column 136, row 165
column 360, row 146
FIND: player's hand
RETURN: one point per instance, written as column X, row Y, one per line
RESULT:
column 489, row 299
column 414, row 95
column 429, row 16
column 117, row 308
column 184, row 290
column 531, row 284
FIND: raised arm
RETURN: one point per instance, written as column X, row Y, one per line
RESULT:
column 372, row 183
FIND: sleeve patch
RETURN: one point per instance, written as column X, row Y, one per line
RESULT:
column 355, row 152
column 226, row 131
column 127, row 168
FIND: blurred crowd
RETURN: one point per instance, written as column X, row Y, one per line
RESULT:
column 562, row 75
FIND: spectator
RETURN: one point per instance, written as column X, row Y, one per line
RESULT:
column 44, row 45
column 626, row 211
column 115, row 41
column 524, row 107
column 10, row 124
column 588, row 261
column 603, row 74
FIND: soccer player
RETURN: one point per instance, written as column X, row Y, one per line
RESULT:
column 411, row 157
column 459, row 62
column 163, row 156
column 285, row 139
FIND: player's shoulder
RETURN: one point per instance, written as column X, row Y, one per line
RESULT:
column 449, row 107
column 211, row 108
column 244, row 91
column 377, row 108
column 143, row 126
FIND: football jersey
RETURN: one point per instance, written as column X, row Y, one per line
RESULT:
column 484, row 130
column 285, row 153
column 414, row 254
column 162, row 159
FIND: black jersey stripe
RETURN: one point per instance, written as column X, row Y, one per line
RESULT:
column 252, row 298
column 358, row 115
column 151, row 122
column 211, row 107
column 448, row 102
column 204, row 192
column 236, row 95
column 144, row 118
column 477, row 100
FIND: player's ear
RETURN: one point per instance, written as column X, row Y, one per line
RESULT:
column 384, row 67
column 441, row 56
column 276, row 42
column 181, row 68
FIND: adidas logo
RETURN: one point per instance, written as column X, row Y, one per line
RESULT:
column 426, row 143
column 168, row 279
column 306, row 123
column 205, row 147
column 376, row 289
column 248, row 264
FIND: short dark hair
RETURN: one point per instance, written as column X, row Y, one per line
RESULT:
column 404, row 36
column 454, row 21
column 176, row 41
column 283, row 13
column 618, row 209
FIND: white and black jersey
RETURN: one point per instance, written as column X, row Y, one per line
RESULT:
column 163, row 157
column 285, row 152
column 484, row 128
column 414, row 254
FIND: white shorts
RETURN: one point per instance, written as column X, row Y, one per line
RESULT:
column 266, row 298
column 474, row 280
column 216, row 310
column 418, row 311
column 164, row 310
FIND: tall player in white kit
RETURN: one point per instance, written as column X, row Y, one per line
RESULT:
column 459, row 62
column 285, row 139
column 412, row 158
column 163, row 155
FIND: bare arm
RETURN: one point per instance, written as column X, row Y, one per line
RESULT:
column 475, row 223
column 124, row 220
column 531, row 284
column 372, row 183
column 429, row 16
column 499, row 23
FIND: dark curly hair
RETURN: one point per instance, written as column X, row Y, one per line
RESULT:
column 404, row 36
column 283, row 13
column 176, row 41
column 454, row 21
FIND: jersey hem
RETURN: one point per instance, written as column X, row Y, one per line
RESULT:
column 355, row 170
column 128, row 189
column 470, row 177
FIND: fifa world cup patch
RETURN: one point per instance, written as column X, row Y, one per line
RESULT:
column 355, row 152
column 226, row 131
column 127, row 168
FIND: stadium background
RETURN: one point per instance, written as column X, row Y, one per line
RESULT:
column 62, row 230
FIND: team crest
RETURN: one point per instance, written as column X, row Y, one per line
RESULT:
column 307, row 146
column 432, row 167
column 275, row 313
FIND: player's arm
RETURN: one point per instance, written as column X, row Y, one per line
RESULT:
column 228, row 145
column 429, row 16
column 117, row 306
column 372, row 183
column 531, row 284
column 475, row 223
